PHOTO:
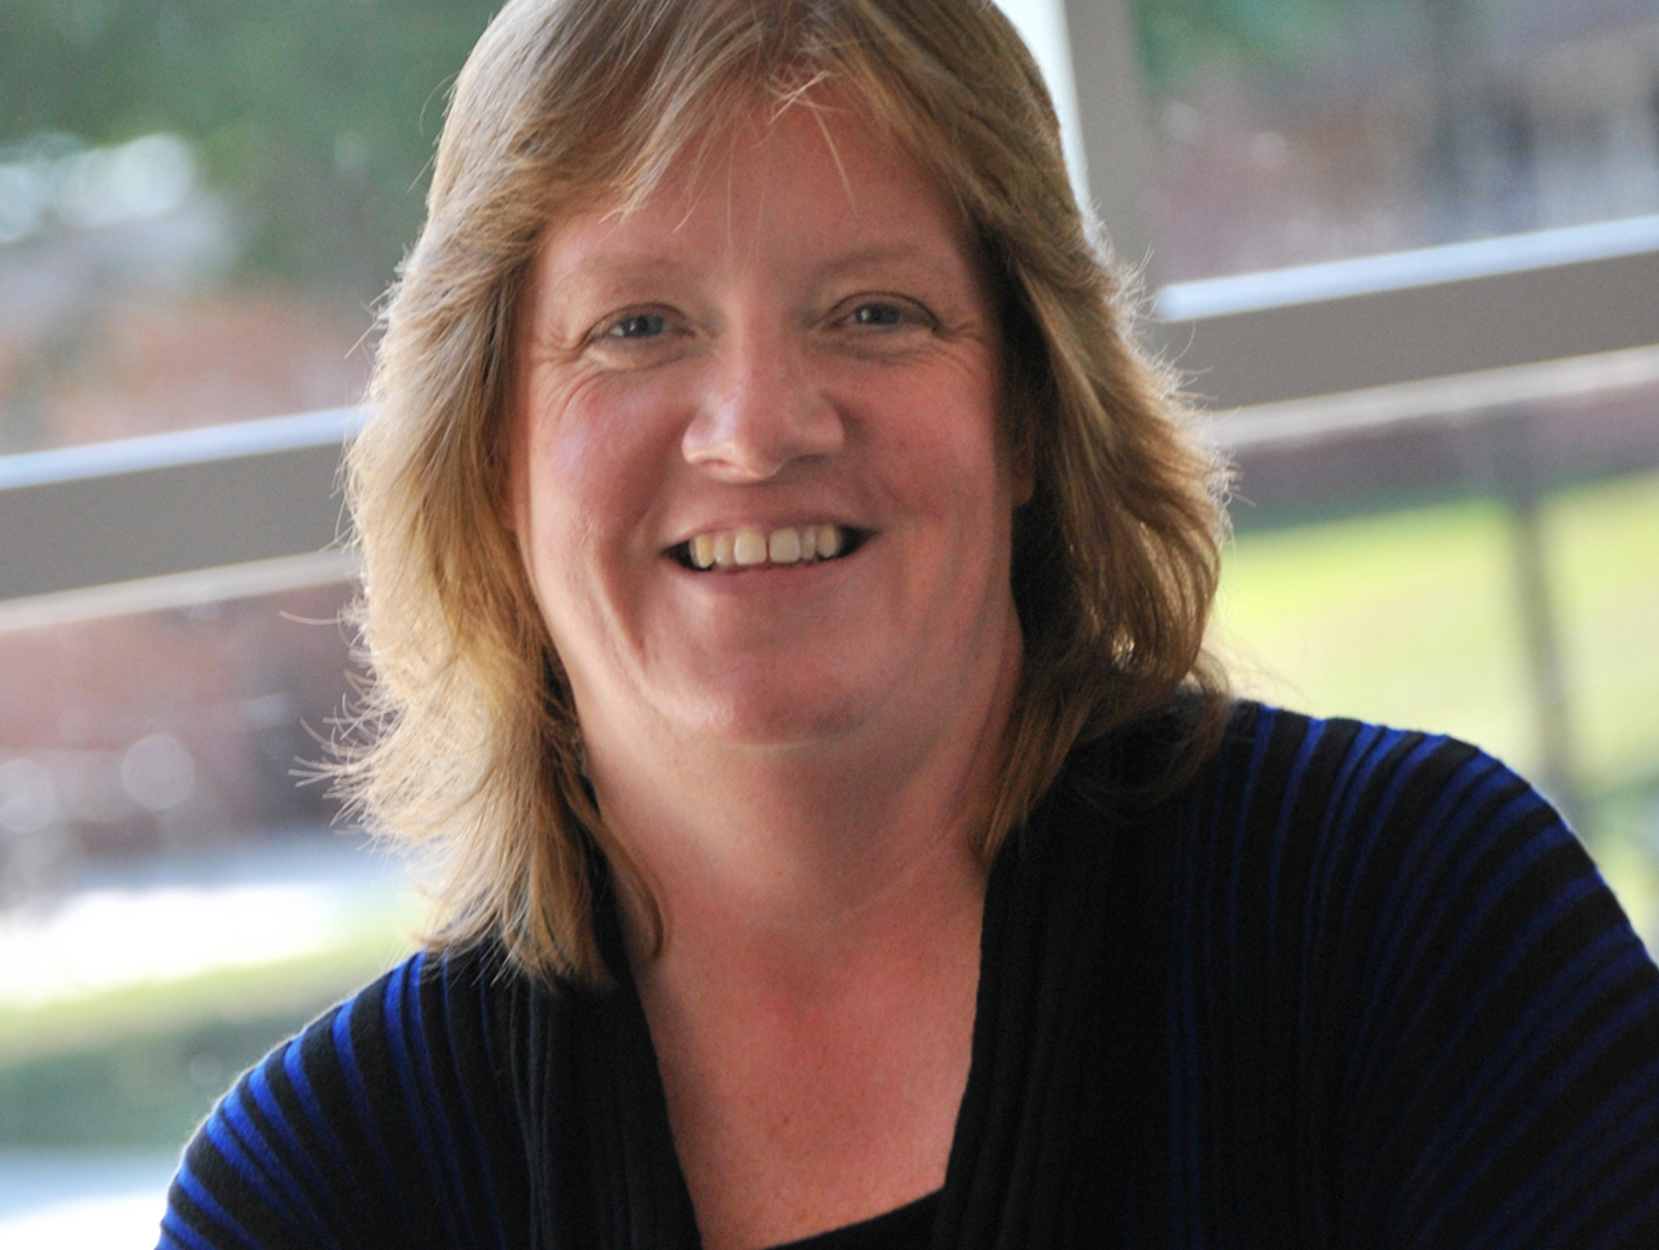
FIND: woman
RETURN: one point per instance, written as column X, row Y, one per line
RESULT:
column 785, row 587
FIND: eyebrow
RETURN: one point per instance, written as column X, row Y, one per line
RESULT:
column 886, row 253
column 606, row 263
column 609, row 263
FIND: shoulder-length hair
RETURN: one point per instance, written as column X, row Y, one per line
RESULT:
column 467, row 744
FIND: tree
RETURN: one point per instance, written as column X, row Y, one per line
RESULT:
column 315, row 118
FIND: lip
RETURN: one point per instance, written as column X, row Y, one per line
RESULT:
column 767, row 588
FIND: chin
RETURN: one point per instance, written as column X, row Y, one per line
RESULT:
column 766, row 715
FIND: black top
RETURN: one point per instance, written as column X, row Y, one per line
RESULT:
column 907, row 1228
column 1348, row 987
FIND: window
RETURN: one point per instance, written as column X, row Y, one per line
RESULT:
column 1406, row 248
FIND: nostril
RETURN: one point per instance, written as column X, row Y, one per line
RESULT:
column 753, row 435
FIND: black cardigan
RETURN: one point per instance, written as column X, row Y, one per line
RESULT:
column 1348, row 987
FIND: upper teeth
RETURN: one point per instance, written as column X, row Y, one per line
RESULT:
column 792, row 545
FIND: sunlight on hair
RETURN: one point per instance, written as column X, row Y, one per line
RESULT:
column 1042, row 24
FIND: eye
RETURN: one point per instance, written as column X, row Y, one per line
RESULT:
column 640, row 337
column 638, row 326
column 883, row 314
column 880, row 315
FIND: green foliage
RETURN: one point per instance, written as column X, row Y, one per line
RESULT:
column 315, row 118
column 1181, row 40
column 140, row 1065
column 1410, row 617
column 145, row 1091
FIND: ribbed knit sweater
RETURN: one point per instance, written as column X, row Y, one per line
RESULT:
column 1346, row 987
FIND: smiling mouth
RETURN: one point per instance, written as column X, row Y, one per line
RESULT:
column 746, row 548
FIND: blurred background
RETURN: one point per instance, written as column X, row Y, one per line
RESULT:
column 201, row 203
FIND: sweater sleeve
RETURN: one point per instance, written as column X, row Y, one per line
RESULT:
column 1476, row 1025
column 379, row 1124
column 1504, row 1064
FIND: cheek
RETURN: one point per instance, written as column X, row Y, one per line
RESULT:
column 950, row 456
column 593, row 450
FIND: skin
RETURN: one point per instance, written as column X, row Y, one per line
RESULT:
column 792, row 757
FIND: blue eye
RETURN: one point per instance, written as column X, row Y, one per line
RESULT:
column 639, row 326
column 877, row 315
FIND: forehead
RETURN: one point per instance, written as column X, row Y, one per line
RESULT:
column 815, row 182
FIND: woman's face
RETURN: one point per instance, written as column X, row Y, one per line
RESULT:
column 759, row 477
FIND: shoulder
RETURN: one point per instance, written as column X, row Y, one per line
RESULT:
column 386, row 1118
column 1266, row 753
column 1387, row 827
column 1368, row 832
column 1396, row 941
column 1358, row 797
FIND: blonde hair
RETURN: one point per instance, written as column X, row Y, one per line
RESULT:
column 467, row 745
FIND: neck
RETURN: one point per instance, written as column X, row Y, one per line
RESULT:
column 811, row 1003
column 804, row 855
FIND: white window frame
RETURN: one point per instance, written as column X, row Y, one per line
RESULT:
column 1301, row 354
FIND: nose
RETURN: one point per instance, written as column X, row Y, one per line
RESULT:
column 761, row 411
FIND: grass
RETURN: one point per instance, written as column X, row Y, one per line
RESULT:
column 140, row 1066
column 1605, row 549
column 139, row 1091
column 1405, row 617
column 1412, row 618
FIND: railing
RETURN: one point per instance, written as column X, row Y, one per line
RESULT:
column 1321, row 352
column 173, row 519
column 1471, row 332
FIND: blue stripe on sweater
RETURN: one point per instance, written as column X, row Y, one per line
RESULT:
column 1314, row 734
column 264, row 1097
column 1519, row 1056
column 344, row 1050
column 1404, row 774
column 1608, row 1133
column 293, row 1064
column 176, row 1233
column 1363, row 757
column 209, row 1206
column 1570, row 992
column 224, row 1138
column 1420, row 870
column 1423, row 923
column 1617, row 1233
column 433, row 1108
column 1400, row 904
column 1449, row 952
column 392, row 1010
column 1549, row 1089
column 486, row 1174
column 243, row 1146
